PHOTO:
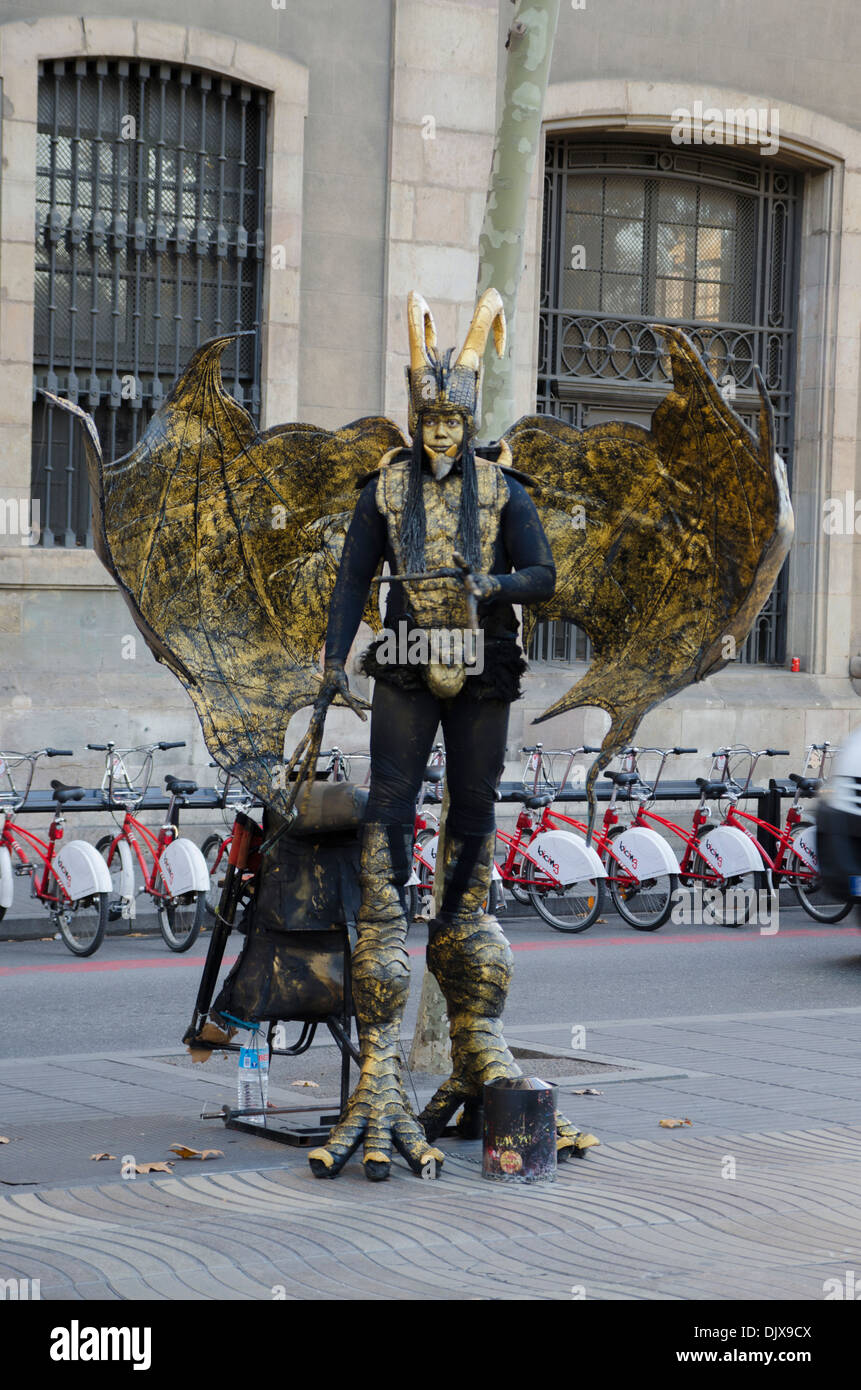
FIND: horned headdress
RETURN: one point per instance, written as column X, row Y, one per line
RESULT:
column 434, row 382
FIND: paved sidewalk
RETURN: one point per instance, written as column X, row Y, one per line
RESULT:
column 650, row 1214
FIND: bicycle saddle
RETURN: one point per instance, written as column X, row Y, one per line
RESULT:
column 434, row 774
column 63, row 793
column 806, row 784
column 623, row 779
column 535, row 803
column 712, row 788
column 178, row 787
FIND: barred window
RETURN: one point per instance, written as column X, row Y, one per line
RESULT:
column 149, row 240
column 666, row 248
column 634, row 235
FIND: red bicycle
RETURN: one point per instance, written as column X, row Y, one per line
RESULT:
column 793, row 863
column 178, row 879
column 561, row 876
column 720, row 858
column 641, row 870
column 72, row 882
column 426, row 838
column 216, row 847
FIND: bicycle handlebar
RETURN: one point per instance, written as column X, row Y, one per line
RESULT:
column 12, row 761
column 664, row 751
column 163, row 745
column 760, row 752
column 37, row 753
column 539, row 748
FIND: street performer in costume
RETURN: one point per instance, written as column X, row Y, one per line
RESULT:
column 241, row 551
column 423, row 506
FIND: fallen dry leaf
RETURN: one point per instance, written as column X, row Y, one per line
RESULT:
column 674, row 1124
column 97, row 1158
column 306, row 1083
column 587, row 1091
column 183, row 1151
column 153, row 1168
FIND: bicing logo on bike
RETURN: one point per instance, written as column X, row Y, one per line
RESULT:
column 629, row 854
column 552, row 862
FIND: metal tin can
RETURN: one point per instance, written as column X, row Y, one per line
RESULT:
column 519, row 1130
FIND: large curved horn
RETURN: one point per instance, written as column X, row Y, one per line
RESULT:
column 489, row 313
column 422, row 331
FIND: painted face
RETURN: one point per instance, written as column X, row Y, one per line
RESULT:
column 442, row 437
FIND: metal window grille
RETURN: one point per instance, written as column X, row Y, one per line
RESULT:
column 149, row 240
column 635, row 235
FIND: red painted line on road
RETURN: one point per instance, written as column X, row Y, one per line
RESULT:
column 81, row 966
column 636, row 938
column 633, row 938
column 640, row 938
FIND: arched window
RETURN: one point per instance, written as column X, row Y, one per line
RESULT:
column 633, row 235
column 149, row 240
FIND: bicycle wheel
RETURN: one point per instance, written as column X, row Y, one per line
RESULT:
column 571, row 907
column 817, row 900
column 115, row 868
column 731, row 902
column 644, row 904
column 83, row 924
column 180, row 919
column 519, row 891
column 421, row 893
column 212, row 897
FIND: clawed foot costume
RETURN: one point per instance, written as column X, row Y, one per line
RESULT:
column 242, row 553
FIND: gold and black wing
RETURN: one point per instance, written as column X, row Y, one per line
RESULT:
column 225, row 543
column 667, row 541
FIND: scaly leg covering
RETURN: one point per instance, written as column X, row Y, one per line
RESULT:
column 377, row 1110
column 473, row 963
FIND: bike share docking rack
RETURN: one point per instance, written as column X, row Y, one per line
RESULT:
column 94, row 799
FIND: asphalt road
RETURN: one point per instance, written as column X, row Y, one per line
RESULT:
column 135, row 994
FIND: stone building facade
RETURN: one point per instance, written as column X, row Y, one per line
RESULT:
column 376, row 124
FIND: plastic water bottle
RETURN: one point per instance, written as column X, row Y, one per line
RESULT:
column 253, row 1080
